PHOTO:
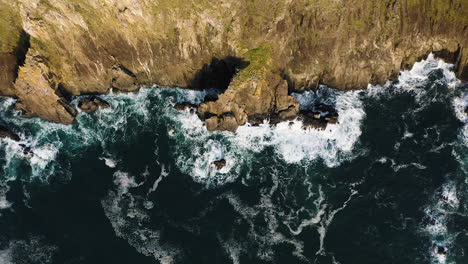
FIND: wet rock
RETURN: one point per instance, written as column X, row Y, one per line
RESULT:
column 26, row 150
column 219, row 164
column 332, row 118
column 91, row 104
column 312, row 119
column 237, row 105
column 226, row 122
column 325, row 108
column 441, row 251
column 323, row 115
column 256, row 120
column 5, row 132
column 184, row 106
column 288, row 114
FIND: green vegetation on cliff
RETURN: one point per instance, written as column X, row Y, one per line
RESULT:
column 82, row 44
column 259, row 64
column 10, row 28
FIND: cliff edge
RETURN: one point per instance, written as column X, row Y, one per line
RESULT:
column 52, row 49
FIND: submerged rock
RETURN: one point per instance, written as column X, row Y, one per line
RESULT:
column 92, row 104
column 441, row 250
column 26, row 150
column 5, row 132
column 219, row 164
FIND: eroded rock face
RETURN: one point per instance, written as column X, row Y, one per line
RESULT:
column 92, row 104
column 255, row 93
column 7, row 74
column 93, row 46
column 37, row 95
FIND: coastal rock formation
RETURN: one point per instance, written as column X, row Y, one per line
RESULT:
column 92, row 104
column 51, row 49
column 254, row 93
column 219, row 164
column 5, row 132
column 37, row 95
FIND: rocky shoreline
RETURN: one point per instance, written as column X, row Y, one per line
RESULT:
column 258, row 52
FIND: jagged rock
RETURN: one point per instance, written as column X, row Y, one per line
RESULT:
column 184, row 106
column 228, row 123
column 92, row 104
column 93, row 46
column 5, row 132
column 323, row 108
column 37, row 94
column 219, row 164
column 312, row 119
column 441, row 250
column 123, row 79
column 7, row 74
column 324, row 114
column 26, row 150
column 332, row 119
column 256, row 93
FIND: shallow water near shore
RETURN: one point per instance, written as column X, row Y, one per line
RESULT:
column 136, row 183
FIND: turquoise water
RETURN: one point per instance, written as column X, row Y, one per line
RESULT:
column 135, row 183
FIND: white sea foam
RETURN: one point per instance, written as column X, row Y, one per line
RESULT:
column 110, row 162
column 124, row 181
column 289, row 139
column 446, row 203
column 5, row 256
column 34, row 249
column 4, row 203
column 414, row 80
column 128, row 217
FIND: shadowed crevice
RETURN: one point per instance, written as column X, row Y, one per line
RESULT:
column 218, row 74
column 24, row 43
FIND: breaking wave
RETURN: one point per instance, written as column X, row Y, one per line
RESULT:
column 296, row 195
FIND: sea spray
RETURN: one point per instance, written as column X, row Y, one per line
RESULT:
column 390, row 172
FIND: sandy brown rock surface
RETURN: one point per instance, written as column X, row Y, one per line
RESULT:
column 90, row 46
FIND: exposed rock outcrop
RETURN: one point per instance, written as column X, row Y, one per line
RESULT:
column 87, row 46
column 319, row 119
column 92, row 104
column 5, row 132
column 254, row 93
column 37, row 94
column 184, row 106
column 219, row 164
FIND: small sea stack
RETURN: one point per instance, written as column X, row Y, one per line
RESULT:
column 219, row 164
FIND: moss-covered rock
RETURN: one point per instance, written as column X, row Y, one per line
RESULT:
column 255, row 93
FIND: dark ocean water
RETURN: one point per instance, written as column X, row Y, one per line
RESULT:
column 136, row 183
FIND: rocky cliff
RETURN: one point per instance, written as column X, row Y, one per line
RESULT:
column 52, row 49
